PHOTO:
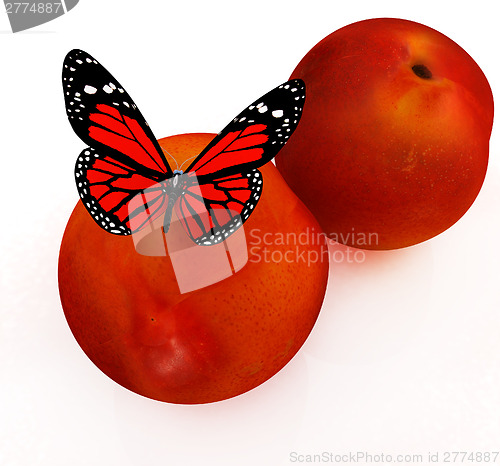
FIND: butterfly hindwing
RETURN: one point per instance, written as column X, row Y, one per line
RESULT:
column 212, row 211
column 120, row 200
column 255, row 136
column 104, row 116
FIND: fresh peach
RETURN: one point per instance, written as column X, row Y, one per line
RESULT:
column 128, row 315
column 392, row 147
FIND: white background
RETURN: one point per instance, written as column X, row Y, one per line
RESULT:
column 405, row 356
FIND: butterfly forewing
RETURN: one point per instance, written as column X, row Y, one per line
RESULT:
column 255, row 136
column 105, row 117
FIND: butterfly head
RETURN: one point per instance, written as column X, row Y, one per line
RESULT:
column 174, row 185
column 175, row 178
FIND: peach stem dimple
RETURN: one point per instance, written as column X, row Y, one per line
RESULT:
column 422, row 71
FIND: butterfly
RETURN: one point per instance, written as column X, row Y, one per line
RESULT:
column 124, row 179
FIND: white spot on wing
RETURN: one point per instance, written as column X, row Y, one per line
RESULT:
column 90, row 89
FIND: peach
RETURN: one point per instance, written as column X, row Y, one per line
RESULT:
column 392, row 147
column 128, row 315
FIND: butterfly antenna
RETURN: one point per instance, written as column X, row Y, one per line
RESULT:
column 171, row 156
column 186, row 161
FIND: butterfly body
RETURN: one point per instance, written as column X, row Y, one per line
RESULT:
column 173, row 189
column 125, row 180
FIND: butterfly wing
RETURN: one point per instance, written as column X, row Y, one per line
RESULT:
column 255, row 136
column 120, row 200
column 229, row 183
column 212, row 211
column 124, row 158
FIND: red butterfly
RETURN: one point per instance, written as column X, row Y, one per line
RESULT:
column 124, row 179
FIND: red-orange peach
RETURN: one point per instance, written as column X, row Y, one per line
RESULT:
column 392, row 147
column 128, row 315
